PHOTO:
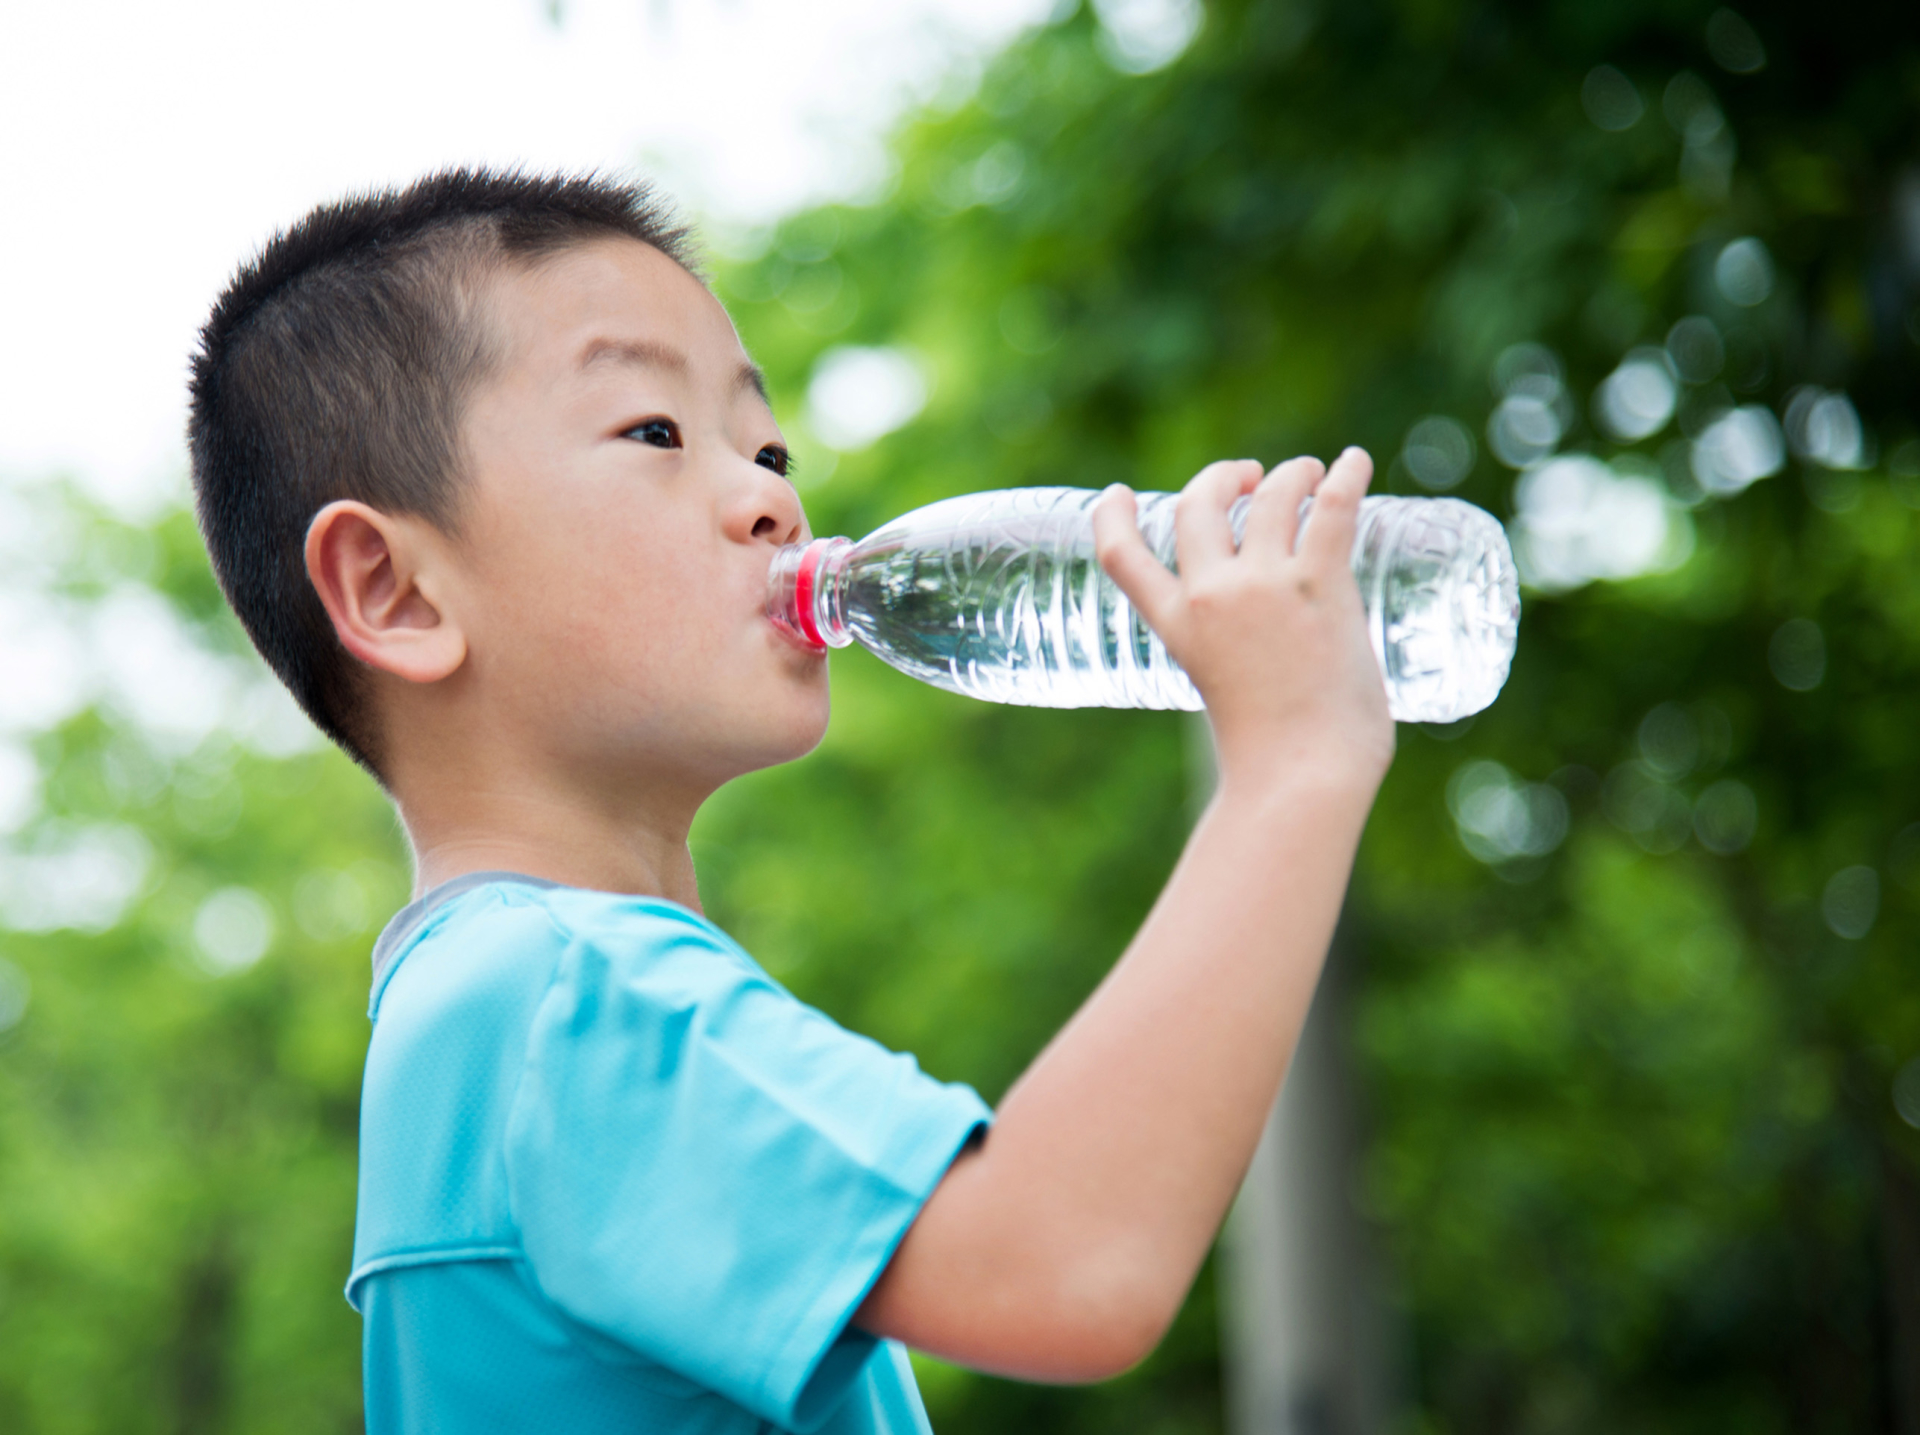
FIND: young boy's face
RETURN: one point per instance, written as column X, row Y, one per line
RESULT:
column 626, row 504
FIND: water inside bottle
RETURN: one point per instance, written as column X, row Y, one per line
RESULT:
column 999, row 596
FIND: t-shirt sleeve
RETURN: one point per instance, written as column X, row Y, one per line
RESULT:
column 711, row 1172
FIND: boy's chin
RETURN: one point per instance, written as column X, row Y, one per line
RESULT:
column 800, row 737
column 787, row 737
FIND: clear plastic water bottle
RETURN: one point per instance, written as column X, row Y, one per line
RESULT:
column 999, row 596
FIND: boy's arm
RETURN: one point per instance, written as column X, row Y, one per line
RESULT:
column 1060, row 1248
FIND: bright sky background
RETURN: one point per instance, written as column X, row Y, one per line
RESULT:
column 145, row 149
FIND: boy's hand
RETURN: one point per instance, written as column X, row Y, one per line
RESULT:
column 1273, row 635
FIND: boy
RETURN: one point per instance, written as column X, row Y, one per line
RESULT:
column 486, row 473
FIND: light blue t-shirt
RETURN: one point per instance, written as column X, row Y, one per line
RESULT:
column 614, row 1178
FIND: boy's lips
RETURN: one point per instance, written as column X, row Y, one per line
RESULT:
column 791, row 638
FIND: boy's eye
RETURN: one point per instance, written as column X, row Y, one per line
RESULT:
column 661, row 433
column 776, row 458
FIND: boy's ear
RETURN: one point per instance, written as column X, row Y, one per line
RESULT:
column 367, row 567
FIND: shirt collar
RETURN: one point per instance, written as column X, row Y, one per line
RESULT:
column 408, row 920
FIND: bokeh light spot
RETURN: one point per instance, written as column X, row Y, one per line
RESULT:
column 1438, row 452
column 1743, row 272
column 859, row 394
column 1636, row 399
column 1138, row 37
column 1500, row 818
column 1527, row 426
column 1725, row 816
column 328, row 906
column 1534, row 411
column 232, row 930
column 1739, row 448
column 1652, row 811
column 1000, row 174
column 1798, row 655
column 1906, row 1092
column 1851, row 902
column 1733, row 44
column 1824, row 428
column 1610, row 99
column 1577, row 520
column 1522, row 365
column 1669, row 740
column 1697, row 351
column 1692, row 110
column 79, row 876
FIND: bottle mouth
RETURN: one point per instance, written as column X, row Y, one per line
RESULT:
column 803, row 592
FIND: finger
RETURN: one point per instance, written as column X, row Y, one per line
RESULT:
column 1202, row 534
column 1328, row 539
column 1273, row 520
column 1124, row 554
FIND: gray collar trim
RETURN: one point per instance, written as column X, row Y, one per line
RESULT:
column 408, row 919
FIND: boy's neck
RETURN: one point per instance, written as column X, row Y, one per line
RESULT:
column 639, row 848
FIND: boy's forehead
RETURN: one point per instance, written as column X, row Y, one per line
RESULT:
column 572, row 310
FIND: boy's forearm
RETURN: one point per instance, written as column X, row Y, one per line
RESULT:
column 1065, row 1243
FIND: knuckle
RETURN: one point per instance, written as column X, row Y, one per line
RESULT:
column 1206, row 600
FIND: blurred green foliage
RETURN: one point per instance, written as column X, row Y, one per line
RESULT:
column 1634, row 1147
column 177, row 1144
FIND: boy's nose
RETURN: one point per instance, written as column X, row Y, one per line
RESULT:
column 768, row 512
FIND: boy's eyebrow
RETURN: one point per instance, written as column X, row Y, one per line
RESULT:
column 633, row 353
column 644, row 354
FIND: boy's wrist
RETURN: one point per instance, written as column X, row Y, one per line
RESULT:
column 1351, row 761
column 1330, row 777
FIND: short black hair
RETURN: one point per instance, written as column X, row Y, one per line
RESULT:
column 338, row 364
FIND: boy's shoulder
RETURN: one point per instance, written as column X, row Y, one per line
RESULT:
column 478, row 984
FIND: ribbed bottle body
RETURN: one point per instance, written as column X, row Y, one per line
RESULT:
column 999, row 596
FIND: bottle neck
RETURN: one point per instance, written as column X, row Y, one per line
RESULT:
column 806, row 591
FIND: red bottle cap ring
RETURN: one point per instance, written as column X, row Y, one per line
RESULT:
column 803, row 590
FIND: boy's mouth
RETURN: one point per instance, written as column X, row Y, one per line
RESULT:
column 803, row 592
